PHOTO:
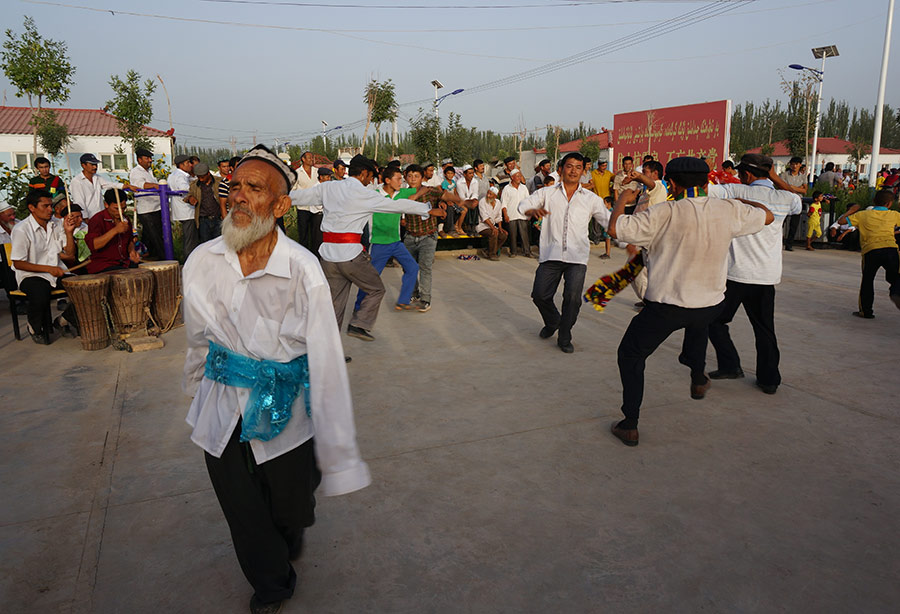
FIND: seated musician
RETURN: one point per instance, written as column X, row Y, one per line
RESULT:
column 110, row 238
column 39, row 252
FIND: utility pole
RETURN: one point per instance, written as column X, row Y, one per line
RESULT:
column 879, row 105
column 233, row 142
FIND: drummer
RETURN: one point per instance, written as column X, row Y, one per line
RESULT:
column 110, row 238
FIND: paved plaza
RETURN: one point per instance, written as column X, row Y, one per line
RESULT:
column 497, row 486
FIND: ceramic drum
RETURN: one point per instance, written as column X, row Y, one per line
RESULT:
column 87, row 292
column 130, row 292
column 166, row 303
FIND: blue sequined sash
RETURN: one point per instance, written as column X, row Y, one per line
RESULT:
column 273, row 388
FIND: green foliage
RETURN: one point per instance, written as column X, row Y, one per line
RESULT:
column 456, row 142
column 14, row 187
column 423, row 137
column 132, row 107
column 381, row 101
column 53, row 136
column 767, row 149
column 590, row 149
column 857, row 150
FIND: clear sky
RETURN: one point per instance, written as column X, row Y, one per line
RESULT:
column 231, row 80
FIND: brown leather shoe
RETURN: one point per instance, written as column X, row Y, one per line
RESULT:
column 628, row 436
column 698, row 392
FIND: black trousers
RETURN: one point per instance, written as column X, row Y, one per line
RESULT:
column 887, row 258
column 759, row 303
column 151, row 234
column 38, row 291
column 546, row 281
column 519, row 229
column 792, row 226
column 309, row 230
column 646, row 332
column 267, row 507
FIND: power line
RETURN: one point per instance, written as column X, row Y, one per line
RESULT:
column 467, row 7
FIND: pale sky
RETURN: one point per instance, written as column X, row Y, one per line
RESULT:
column 232, row 80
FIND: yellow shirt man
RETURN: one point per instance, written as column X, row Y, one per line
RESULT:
column 601, row 180
column 876, row 227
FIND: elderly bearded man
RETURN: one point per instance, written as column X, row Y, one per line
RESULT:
column 256, row 304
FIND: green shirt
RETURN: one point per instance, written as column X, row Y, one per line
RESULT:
column 386, row 226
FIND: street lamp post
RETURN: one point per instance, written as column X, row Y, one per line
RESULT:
column 818, row 52
column 879, row 105
column 325, row 132
column 437, row 102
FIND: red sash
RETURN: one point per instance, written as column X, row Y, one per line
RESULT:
column 341, row 237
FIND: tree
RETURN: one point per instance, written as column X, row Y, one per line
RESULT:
column 38, row 67
column 381, row 106
column 423, row 135
column 857, row 150
column 590, row 149
column 802, row 99
column 54, row 136
column 456, row 142
column 132, row 107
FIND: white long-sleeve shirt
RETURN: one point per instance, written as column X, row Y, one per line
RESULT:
column 304, row 182
column 181, row 210
column 278, row 313
column 756, row 258
column 89, row 194
column 467, row 192
column 348, row 206
column 511, row 197
column 145, row 203
column 564, row 233
column 37, row 245
column 488, row 211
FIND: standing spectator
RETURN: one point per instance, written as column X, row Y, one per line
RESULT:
column 654, row 193
column 586, row 182
column 45, row 180
column 209, row 211
column 430, row 178
column 796, row 180
column 814, row 223
column 39, row 250
column 829, row 177
column 421, row 237
column 340, row 169
column 7, row 221
column 618, row 181
column 879, row 249
column 147, row 205
column 510, row 198
column 325, row 174
column 224, row 178
column 309, row 219
column 183, row 212
column 483, row 183
column 540, row 176
column 601, row 178
column 505, row 174
column 564, row 210
column 491, row 212
column 87, row 188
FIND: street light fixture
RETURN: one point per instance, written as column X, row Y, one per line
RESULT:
column 822, row 53
column 437, row 102
column 325, row 132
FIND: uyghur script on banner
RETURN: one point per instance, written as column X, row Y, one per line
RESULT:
column 699, row 130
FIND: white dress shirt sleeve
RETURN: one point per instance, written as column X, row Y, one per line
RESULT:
column 343, row 470
column 309, row 197
column 534, row 201
column 600, row 212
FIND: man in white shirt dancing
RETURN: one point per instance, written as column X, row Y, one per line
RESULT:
column 256, row 305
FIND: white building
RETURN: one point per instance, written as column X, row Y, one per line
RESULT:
column 92, row 131
column 832, row 150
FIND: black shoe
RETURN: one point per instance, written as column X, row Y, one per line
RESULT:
column 257, row 607
column 860, row 314
column 789, row 247
column 627, row 436
column 359, row 333
column 699, row 391
column 347, row 359
column 546, row 332
column 567, row 348
column 719, row 374
column 767, row 388
column 39, row 339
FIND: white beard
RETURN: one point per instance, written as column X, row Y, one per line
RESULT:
column 239, row 238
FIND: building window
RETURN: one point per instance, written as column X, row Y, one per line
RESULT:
column 25, row 159
column 114, row 162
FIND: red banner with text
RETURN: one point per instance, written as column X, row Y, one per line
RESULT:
column 701, row 130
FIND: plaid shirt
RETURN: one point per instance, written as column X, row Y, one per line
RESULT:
column 418, row 227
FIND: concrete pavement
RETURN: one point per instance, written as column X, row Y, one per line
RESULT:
column 497, row 486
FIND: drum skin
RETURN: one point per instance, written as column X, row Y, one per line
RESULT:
column 87, row 293
column 166, row 303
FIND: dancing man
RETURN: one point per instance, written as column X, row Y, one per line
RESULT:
column 566, row 210
column 264, row 365
column 686, row 242
column 348, row 206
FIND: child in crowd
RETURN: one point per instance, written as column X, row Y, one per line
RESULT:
column 814, row 226
column 608, row 201
column 876, row 225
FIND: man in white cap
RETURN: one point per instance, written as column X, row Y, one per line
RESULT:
column 348, row 206
column 7, row 221
column 264, row 364
column 467, row 188
column 510, row 197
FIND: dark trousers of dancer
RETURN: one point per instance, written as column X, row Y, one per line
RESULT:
column 151, row 234
column 359, row 271
column 793, row 223
column 267, row 507
column 546, row 281
column 309, row 230
column 887, row 258
column 647, row 331
column 759, row 303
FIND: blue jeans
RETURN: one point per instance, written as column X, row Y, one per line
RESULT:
column 380, row 255
column 210, row 228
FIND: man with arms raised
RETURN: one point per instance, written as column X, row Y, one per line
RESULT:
column 566, row 209
column 686, row 242
column 265, row 367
